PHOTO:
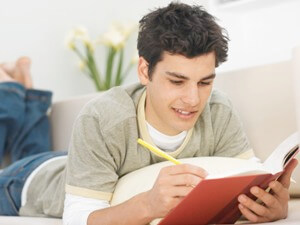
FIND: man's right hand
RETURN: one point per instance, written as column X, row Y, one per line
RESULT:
column 171, row 186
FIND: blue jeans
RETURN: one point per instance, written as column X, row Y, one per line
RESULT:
column 25, row 135
column 24, row 125
column 12, row 180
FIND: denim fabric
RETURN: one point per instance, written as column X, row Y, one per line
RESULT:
column 12, row 180
column 24, row 125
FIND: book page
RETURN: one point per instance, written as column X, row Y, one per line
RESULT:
column 143, row 179
column 275, row 162
column 219, row 167
column 222, row 166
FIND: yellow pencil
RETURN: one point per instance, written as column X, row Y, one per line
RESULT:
column 158, row 152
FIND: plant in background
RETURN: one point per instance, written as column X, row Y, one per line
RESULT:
column 114, row 40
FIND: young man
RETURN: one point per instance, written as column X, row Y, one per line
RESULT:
column 175, row 109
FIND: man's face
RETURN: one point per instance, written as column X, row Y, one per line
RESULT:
column 178, row 90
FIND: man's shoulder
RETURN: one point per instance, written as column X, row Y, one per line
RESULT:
column 218, row 105
column 220, row 99
column 115, row 105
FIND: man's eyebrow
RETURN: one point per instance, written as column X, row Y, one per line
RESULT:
column 177, row 75
column 181, row 76
column 211, row 76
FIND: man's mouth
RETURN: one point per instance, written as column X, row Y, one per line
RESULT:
column 184, row 113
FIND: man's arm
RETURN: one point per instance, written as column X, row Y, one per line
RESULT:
column 173, row 183
column 275, row 204
column 132, row 211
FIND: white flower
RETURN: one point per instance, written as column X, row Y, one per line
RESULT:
column 113, row 38
column 117, row 35
column 69, row 41
column 82, row 65
column 78, row 34
column 78, row 40
column 80, row 31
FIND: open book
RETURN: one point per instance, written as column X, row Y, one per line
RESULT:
column 213, row 200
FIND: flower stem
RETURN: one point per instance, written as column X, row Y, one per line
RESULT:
column 79, row 54
column 93, row 69
column 118, row 79
column 109, row 65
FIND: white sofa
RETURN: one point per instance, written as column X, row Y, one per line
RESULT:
column 263, row 96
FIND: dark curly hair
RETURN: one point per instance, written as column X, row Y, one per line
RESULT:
column 180, row 29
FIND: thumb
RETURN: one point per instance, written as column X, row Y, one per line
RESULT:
column 285, row 178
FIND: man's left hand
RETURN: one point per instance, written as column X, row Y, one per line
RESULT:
column 275, row 204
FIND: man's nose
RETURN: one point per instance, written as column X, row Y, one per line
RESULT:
column 191, row 95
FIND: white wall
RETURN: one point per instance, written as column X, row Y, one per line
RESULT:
column 261, row 31
column 37, row 28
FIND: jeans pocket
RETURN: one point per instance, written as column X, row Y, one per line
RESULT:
column 13, row 198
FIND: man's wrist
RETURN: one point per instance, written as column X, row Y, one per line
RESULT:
column 142, row 201
column 135, row 211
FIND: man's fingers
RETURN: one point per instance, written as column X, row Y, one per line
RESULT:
column 285, row 178
column 190, row 180
column 180, row 191
column 269, row 200
column 255, row 207
column 185, row 169
column 275, row 204
column 248, row 214
column 279, row 190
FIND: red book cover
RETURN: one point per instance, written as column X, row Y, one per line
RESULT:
column 215, row 201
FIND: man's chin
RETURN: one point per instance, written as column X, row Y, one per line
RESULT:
column 185, row 127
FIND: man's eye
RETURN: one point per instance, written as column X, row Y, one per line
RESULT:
column 204, row 83
column 176, row 82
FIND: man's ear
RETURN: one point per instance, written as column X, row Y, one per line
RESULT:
column 143, row 71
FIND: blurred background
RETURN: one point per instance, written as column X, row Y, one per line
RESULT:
column 261, row 32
